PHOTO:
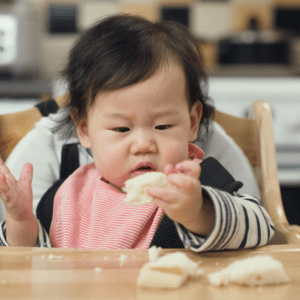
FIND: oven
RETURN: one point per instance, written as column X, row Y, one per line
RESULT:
column 235, row 95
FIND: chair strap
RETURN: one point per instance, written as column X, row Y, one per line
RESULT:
column 69, row 160
column 47, row 107
column 69, row 163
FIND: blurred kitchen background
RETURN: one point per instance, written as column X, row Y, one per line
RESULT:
column 251, row 49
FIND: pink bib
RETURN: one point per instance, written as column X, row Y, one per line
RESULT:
column 90, row 213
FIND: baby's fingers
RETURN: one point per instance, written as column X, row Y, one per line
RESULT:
column 27, row 174
column 184, row 183
column 3, row 168
column 6, row 191
column 169, row 169
column 190, row 168
column 4, row 187
column 165, row 194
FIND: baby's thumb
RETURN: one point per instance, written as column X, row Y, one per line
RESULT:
column 169, row 169
column 190, row 168
column 27, row 173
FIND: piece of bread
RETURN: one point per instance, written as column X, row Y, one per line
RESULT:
column 253, row 271
column 135, row 187
column 167, row 272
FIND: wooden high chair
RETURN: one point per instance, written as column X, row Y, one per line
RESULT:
column 14, row 126
column 254, row 135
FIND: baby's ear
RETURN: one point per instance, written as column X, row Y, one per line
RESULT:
column 74, row 115
column 81, row 129
column 195, row 116
column 83, row 133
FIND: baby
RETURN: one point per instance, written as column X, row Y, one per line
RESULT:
column 137, row 99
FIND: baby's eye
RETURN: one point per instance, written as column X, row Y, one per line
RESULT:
column 121, row 129
column 162, row 127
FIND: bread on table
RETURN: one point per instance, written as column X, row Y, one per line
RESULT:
column 252, row 271
column 167, row 272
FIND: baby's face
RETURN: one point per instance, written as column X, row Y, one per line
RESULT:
column 142, row 127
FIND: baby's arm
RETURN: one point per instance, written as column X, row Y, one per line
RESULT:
column 239, row 221
column 186, row 204
column 21, row 224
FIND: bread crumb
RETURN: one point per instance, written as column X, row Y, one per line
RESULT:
column 198, row 272
column 122, row 259
column 252, row 271
column 52, row 257
column 98, row 270
column 153, row 253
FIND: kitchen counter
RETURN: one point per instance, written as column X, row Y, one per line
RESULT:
column 20, row 88
column 276, row 70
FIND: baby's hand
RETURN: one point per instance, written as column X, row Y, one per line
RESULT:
column 184, row 204
column 17, row 195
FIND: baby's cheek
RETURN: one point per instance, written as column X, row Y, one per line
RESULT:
column 107, row 162
column 175, row 154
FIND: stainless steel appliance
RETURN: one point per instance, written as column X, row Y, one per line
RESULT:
column 19, row 52
column 255, row 46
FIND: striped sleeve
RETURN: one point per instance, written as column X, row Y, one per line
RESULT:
column 43, row 240
column 240, row 222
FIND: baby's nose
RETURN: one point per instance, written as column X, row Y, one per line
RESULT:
column 143, row 144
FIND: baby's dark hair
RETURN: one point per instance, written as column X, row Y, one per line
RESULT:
column 122, row 50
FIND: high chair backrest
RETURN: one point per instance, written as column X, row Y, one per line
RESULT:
column 14, row 126
column 254, row 134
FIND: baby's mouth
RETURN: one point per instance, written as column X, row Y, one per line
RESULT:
column 142, row 169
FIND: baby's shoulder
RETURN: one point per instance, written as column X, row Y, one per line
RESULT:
column 86, row 172
column 81, row 182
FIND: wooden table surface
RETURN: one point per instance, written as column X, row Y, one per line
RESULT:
column 35, row 273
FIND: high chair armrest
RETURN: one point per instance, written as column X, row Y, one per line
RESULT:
column 286, row 234
column 296, row 228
